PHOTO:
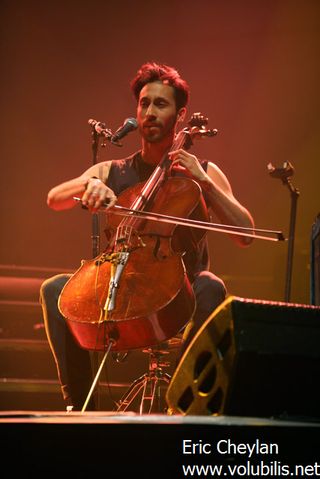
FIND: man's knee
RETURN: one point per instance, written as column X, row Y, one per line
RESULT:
column 52, row 287
column 210, row 288
column 210, row 292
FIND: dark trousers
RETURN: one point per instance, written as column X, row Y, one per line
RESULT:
column 74, row 363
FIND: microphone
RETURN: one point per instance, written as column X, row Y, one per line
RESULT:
column 129, row 124
column 100, row 128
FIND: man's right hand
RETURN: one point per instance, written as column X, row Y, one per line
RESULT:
column 97, row 194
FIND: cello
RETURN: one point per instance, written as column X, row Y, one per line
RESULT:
column 137, row 293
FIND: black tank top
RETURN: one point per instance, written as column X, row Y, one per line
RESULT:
column 129, row 171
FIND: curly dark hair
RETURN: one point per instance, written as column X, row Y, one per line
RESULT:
column 151, row 72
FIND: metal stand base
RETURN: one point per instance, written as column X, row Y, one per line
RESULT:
column 149, row 385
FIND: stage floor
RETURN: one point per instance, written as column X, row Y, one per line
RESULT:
column 42, row 444
column 109, row 417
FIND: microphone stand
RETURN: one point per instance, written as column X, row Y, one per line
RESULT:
column 294, row 193
column 284, row 174
column 95, row 243
column 98, row 129
column 95, row 235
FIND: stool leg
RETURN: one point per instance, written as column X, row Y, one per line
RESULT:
column 154, row 397
column 133, row 391
column 148, row 385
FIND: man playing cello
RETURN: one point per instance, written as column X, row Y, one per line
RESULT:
column 162, row 96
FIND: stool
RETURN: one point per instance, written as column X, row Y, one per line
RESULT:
column 149, row 386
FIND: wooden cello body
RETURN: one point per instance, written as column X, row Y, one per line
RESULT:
column 137, row 292
column 154, row 298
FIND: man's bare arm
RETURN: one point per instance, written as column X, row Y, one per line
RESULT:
column 90, row 187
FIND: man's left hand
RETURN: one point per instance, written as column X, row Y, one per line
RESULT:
column 188, row 161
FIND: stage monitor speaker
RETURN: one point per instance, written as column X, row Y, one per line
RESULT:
column 251, row 358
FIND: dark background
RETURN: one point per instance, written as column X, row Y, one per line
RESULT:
column 253, row 68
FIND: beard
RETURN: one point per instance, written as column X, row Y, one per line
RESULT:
column 157, row 132
column 151, row 137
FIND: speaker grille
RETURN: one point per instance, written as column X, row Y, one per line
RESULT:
column 251, row 358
